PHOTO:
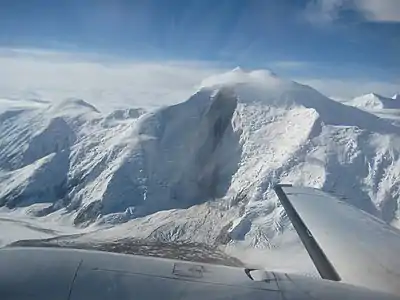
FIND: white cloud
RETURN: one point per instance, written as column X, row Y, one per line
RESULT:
column 321, row 11
column 380, row 10
column 103, row 82
column 108, row 83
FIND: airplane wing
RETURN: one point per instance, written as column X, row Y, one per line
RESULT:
column 345, row 243
column 43, row 273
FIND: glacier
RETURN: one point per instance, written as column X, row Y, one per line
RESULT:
column 199, row 171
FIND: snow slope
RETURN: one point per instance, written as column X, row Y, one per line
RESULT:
column 375, row 101
column 383, row 107
column 201, row 170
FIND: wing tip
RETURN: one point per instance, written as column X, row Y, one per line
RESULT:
column 317, row 255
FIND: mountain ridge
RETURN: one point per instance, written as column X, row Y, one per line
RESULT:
column 376, row 101
column 203, row 169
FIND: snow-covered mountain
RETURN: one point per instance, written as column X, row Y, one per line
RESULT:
column 201, row 170
column 375, row 101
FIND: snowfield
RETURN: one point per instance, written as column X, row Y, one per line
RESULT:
column 200, row 171
column 375, row 101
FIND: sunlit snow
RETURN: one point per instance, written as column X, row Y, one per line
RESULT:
column 199, row 171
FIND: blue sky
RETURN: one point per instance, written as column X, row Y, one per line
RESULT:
column 296, row 38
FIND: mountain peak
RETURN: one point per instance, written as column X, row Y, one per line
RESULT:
column 376, row 101
column 74, row 104
column 373, row 95
column 226, row 144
